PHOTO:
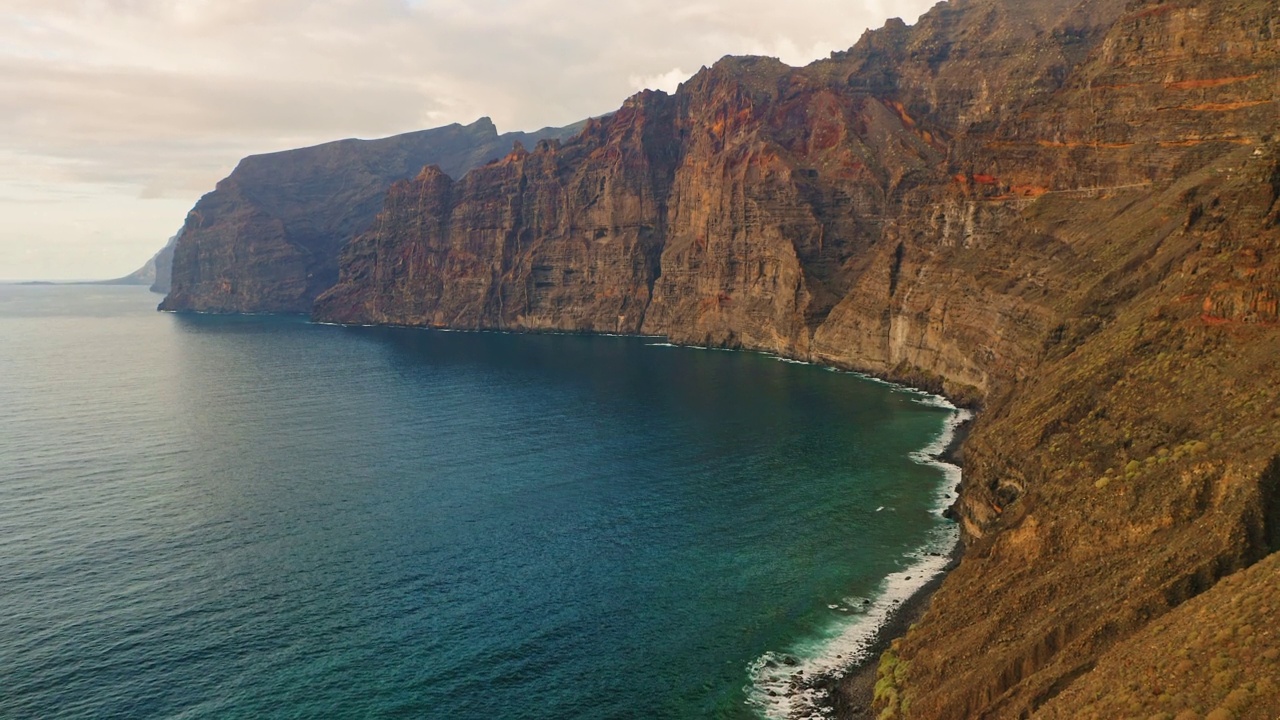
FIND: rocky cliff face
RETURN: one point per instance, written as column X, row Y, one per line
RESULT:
column 560, row 238
column 267, row 239
column 1065, row 210
column 767, row 207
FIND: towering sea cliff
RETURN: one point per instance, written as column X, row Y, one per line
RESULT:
column 1066, row 211
column 267, row 239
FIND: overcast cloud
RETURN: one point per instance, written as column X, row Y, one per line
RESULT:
column 116, row 115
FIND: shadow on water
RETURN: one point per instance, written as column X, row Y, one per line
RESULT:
column 207, row 323
column 694, row 508
column 605, row 365
column 690, row 380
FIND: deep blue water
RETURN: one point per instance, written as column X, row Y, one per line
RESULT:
column 257, row 517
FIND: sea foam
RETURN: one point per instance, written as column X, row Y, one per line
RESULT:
column 793, row 685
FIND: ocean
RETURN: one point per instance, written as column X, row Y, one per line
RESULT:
column 261, row 517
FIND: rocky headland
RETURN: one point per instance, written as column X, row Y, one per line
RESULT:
column 1064, row 212
column 267, row 238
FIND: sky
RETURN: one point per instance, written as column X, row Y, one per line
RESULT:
column 117, row 115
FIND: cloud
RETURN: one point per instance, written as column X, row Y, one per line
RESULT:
column 160, row 98
column 667, row 82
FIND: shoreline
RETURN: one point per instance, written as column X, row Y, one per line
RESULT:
column 848, row 692
column 841, row 676
column 850, row 695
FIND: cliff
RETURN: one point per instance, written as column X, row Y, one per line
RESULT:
column 267, row 238
column 1066, row 211
column 155, row 273
column 162, row 274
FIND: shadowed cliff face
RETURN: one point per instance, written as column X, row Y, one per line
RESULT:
column 563, row 238
column 1067, row 211
column 762, row 206
column 267, row 239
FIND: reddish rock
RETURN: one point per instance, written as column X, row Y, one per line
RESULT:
column 1065, row 210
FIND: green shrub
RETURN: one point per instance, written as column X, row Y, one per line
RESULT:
column 890, row 676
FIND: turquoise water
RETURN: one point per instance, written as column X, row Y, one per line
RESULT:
column 257, row 517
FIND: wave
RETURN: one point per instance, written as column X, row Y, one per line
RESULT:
column 689, row 347
column 793, row 685
column 787, row 685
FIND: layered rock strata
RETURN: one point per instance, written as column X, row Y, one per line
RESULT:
column 1067, row 211
column 267, row 239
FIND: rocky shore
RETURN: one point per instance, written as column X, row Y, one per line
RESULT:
column 852, row 695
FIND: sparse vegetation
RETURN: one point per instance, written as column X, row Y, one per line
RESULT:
column 1225, row 664
column 890, row 698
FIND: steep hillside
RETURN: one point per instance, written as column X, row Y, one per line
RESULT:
column 267, row 239
column 565, row 237
column 1066, row 211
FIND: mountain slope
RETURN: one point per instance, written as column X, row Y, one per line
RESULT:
column 1065, row 211
column 266, row 240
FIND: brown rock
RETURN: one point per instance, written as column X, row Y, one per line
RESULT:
column 1065, row 210
column 561, row 238
column 267, row 239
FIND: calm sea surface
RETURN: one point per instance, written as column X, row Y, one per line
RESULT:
column 257, row 517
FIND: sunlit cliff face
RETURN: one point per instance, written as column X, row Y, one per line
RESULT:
column 116, row 116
